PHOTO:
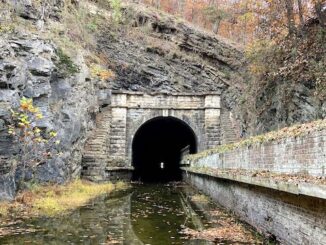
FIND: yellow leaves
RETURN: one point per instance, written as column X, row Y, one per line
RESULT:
column 26, row 106
column 26, row 111
column 26, row 114
column 9, row 28
column 39, row 116
column 24, row 120
column 103, row 74
column 37, row 130
column 14, row 113
column 34, row 110
column 11, row 130
column 23, row 126
column 53, row 134
column 38, row 140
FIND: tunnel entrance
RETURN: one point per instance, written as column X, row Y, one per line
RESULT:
column 157, row 147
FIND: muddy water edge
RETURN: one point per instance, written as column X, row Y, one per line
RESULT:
column 143, row 214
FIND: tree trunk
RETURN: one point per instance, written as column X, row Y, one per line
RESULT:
column 321, row 12
column 290, row 16
column 216, row 26
column 300, row 8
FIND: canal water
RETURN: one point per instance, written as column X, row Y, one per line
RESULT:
column 143, row 214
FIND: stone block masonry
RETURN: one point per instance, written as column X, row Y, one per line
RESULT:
column 95, row 153
column 130, row 110
column 291, row 219
column 110, row 146
column 118, row 130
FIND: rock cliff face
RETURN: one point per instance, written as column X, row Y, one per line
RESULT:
column 148, row 52
column 29, row 67
column 283, row 105
column 292, row 89
column 155, row 52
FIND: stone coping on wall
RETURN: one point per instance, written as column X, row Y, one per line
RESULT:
column 306, row 187
column 119, row 168
column 164, row 93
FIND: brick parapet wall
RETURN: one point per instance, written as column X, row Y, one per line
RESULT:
column 304, row 154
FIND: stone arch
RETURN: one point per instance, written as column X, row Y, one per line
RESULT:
column 190, row 124
column 152, row 114
column 157, row 148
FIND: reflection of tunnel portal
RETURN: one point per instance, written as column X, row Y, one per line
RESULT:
column 157, row 146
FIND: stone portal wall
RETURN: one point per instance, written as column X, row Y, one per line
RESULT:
column 131, row 110
column 303, row 155
column 108, row 152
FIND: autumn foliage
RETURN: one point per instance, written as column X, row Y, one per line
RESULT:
column 243, row 20
column 34, row 144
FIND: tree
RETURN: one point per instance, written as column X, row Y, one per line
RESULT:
column 320, row 9
column 300, row 12
column 34, row 145
column 245, row 21
column 215, row 16
column 290, row 16
column 116, row 7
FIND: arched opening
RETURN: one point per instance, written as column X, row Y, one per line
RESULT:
column 157, row 148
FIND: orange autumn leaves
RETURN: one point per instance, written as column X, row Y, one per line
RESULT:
column 243, row 21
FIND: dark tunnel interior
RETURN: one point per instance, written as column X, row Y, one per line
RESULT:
column 157, row 147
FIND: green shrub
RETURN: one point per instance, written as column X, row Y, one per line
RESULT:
column 65, row 64
column 116, row 7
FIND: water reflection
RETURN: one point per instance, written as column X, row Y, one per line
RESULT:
column 159, row 214
column 141, row 215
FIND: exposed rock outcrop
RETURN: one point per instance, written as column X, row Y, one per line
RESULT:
column 28, row 67
column 155, row 52
column 293, row 89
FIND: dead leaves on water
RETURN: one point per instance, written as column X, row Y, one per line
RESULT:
column 226, row 231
